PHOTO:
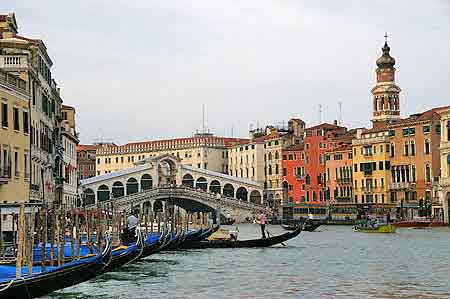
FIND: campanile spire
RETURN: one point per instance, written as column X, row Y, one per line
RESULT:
column 385, row 94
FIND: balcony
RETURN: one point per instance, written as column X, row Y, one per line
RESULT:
column 299, row 177
column 368, row 173
column 13, row 61
column 445, row 181
column 344, row 181
column 5, row 174
column 368, row 189
column 402, row 186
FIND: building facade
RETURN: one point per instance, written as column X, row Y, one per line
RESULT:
column 204, row 151
column 443, row 190
column 14, row 139
column 28, row 59
column 86, row 160
column 70, row 166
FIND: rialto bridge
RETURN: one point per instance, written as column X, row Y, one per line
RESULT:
column 153, row 181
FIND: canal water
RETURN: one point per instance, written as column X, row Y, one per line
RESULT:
column 333, row 262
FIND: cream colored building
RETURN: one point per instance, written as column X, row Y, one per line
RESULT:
column 260, row 158
column 14, row 139
column 28, row 58
column 444, row 184
column 69, row 143
column 204, row 151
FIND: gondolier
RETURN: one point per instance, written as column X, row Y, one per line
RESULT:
column 261, row 220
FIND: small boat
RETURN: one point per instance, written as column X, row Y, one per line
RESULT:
column 53, row 278
column 380, row 228
column 206, row 233
column 418, row 222
column 307, row 227
column 266, row 242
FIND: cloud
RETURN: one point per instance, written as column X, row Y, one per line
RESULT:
column 141, row 70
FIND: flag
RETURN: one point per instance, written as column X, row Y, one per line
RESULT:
column 59, row 151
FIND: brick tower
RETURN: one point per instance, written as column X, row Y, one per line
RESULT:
column 386, row 101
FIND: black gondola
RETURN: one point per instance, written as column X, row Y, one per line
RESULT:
column 124, row 255
column 206, row 233
column 56, row 278
column 307, row 227
column 157, row 247
column 267, row 242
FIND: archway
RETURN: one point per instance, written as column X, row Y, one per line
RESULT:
column 167, row 169
column 117, row 189
column 214, row 187
column 158, row 206
column 146, row 182
column 147, row 207
column 202, row 183
column 255, row 197
column 103, row 193
column 228, row 190
column 132, row 186
column 188, row 181
column 242, row 194
column 89, row 197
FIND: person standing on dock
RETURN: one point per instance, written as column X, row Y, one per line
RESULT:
column 261, row 220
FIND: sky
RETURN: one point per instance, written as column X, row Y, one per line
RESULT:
column 141, row 70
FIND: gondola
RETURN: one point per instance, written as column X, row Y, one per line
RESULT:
column 206, row 233
column 125, row 254
column 54, row 278
column 165, row 240
column 307, row 227
column 176, row 240
column 267, row 242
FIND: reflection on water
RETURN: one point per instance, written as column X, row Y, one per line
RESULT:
column 334, row 262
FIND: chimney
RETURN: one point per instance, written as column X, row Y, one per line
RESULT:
column 335, row 122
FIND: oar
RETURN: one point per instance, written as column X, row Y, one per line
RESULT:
column 269, row 233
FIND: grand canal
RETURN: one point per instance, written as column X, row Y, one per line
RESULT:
column 334, row 262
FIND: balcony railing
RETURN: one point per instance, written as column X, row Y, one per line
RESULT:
column 368, row 189
column 401, row 186
column 13, row 61
column 5, row 174
column 344, row 181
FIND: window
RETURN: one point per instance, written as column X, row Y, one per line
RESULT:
column 406, row 149
column 26, row 127
column 4, row 115
column 426, row 129
column 16, row 164
column 427, row 173
column 405, row 132
column 25, row 165
column 380, row 165
column 355, row 168
column 413, row 148
column 284, row 172
column 16, row 118
column 427, row 147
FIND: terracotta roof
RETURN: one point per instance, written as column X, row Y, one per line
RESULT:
column 225, row 141
column 86, row 147
column 325, row 126
column 423, row 116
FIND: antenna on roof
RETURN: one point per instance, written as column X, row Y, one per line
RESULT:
column 203, row 119
column 320, row 113
column 340, row 113
column 232, row 130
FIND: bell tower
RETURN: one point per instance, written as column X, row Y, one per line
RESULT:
column 385, row 94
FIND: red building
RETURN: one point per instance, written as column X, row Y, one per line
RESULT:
column 294, row 173
column 308, row 192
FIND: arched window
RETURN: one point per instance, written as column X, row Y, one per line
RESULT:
column 117, row 189
column 132, row 186
column 188, row 181
column 413, row 148
column 146, row 182
column 314, row 196
column 241, row 193
column 270, row 155
column 228, row 190
column 103, row 193
column 255, row 197
column 276, row 156
column 427, row 147
column 89, row 197
column 157, row 206
column 202, row 183
column 214, row 187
